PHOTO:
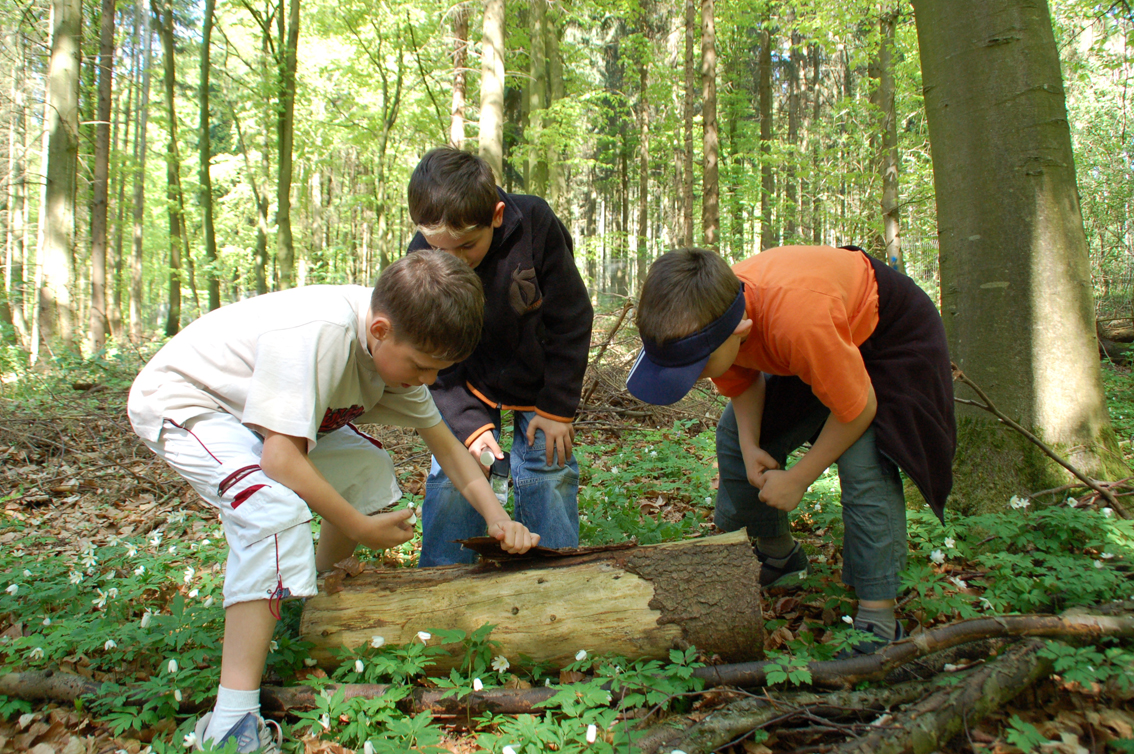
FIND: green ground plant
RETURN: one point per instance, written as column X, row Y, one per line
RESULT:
column 144, row 612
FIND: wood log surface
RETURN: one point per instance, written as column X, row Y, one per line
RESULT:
column 637, row 602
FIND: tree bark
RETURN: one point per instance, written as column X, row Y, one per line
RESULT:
column 710, row 189
column 1012, row 240
column 15, row 250
column 142, row 61
column 164, row 10
column 492, row 88
column 206, row 157
column 285, row 129
column 537, row 101
column 100, row 203
column 55, row 255
column 460, row 66
column 790, row 209
column 888, row 163
column 643, row 168
column 768, row 235
column 635, row 602
column 687, row 129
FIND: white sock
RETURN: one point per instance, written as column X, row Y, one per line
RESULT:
column 232, row 705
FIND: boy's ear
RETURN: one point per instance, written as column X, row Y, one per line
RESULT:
column 743, row 328
column 381, row 327
column 498, row 215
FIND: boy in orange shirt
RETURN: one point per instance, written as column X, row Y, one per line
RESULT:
column 810, row 344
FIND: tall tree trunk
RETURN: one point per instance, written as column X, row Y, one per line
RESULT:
column 57, row 214
column 557, row 172
column 768, row 236
column 98, row 315
column 888, row 142
column 460, row 66
column 790, row 183
column 537, row 100
column 710, row 189
column 1015, row 280
column 164, row 10
column 260, row 256
column 285, row 128
column 142, row 66
column 205, row 146
column 15, row 254
column 816, row 111
column 492, row 88
column 643, row 169
column 121, row 127
column 687, row 129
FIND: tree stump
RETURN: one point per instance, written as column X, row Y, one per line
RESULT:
column 638, row 602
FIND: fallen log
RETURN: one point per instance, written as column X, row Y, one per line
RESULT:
column 929, row 725
column 637, row 602
column 739, row 718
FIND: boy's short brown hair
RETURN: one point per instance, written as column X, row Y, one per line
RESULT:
column 685, row 290
column 434, row 301
column 451, row 191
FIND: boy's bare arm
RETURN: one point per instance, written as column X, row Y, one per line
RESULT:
column 468, row 479
column 285, row 460
column 784, row 489
column 748, row 407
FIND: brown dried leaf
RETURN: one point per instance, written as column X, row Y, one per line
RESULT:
column 570, row 676
column 313, row 745
column 350, row 565
column 333, row 583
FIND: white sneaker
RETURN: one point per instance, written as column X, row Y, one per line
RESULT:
column 252, row 733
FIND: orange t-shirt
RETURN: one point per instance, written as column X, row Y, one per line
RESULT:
column 811, row 308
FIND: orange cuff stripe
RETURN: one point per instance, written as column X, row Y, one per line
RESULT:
column 564, row 419
column 478, row 433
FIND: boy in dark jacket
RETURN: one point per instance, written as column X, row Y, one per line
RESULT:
column 531, row 356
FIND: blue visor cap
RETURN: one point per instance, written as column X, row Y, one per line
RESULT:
column 664, row 373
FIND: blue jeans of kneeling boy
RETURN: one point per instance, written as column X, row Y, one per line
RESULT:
column 545, row 497
column 874, row 510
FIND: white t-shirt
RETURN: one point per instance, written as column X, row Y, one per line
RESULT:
column 294, row 362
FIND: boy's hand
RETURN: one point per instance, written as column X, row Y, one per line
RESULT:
column 514, row 537
column 485, row 441
column 385, row 530
column 559, row 437
column 781, row 490
column 757, row 462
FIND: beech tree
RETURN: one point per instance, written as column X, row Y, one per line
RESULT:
column 1016, row 295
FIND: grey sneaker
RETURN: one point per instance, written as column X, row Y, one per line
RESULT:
column 783, row 573
column 252, row 733
column 870, row 646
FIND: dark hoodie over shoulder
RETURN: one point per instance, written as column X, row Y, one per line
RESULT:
column 537, row 325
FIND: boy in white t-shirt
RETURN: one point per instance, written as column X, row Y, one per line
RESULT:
column 253, row 405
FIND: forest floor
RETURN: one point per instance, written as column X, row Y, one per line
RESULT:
column 80, row 496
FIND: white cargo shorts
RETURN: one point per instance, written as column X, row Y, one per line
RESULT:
column 271, row 555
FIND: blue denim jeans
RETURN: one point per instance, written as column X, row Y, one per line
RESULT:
column 545, row 497
column 874, row 509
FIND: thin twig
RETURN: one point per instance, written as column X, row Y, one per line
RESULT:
column 602, row 349
column 990, row 407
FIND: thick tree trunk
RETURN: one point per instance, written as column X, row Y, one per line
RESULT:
column 56, row 251
column 460, row 66
column 164, row 10
column 206, row 156
column 635, row 602
column 1012, row 240
column 710, row 189
column 768, row 235
column 96, row 338
column 687, row 129
column 285, row 130
column 492, row 88
column 142, row 61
